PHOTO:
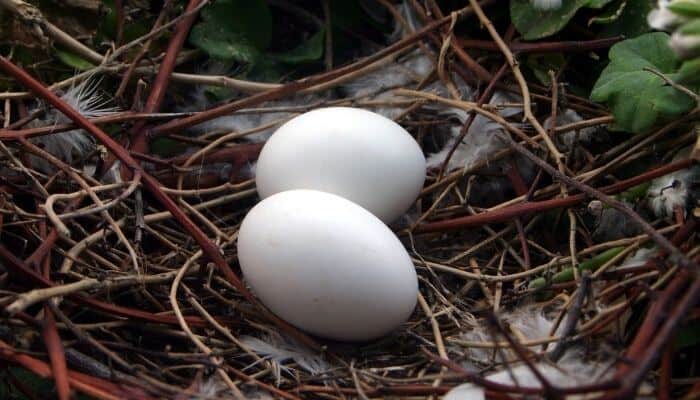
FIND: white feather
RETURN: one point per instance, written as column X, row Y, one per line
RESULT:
column 248, row 170
column 569, row 139
column 210, row 389
column 243, row 122
column 414, row 67
column 75, row 144
column 376, row 85
column 529, row 319
column 279, row 349
column 670, row 192
column 637, row 259
column 113, row 175
column 480, row 142
column 572, row 370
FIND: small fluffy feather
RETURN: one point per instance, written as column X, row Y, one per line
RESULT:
column 569, row 139
column 376, row 85
column 211, row 389
column 612, row 224
column 528, row 319
column 241, row 122
column 414, row 67
column 480, row 142
column 546, row 5
column 572, row 370
column 113, row 175
column 638, row 259
column 76, row 144
column 670, row 191
column 279, row 349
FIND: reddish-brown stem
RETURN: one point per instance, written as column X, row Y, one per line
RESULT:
column 119, row 13
column 54, row 347
column 144, row 50
column 160, row 85
column 666, row 374
column 295, row 86
column 516, row 180
column 90, row 385
column 507, row 213
column 20, row 268
column 394, row 390
column 521, row 189
column 659, row 325
column 8, row 134
column 152, row 185
column 543, row 47
column 149, row 182
column 52, row 340
column 238, row 154
column 503, row 388
column 480, row 72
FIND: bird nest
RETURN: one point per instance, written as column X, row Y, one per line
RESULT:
column 554, row 258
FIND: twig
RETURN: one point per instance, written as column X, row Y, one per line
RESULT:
column 572, row 318
column 296, row 86
column 544, row 47
column 664, row 243
column 154, row 187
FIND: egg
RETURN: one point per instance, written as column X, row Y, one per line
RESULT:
column 354, row 153
column 326, row 265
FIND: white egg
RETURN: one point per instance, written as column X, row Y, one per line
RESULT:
column 327, row 265
column 354, row 153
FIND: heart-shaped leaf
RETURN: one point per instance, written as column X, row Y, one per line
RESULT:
column 234, row 30
column 637, row 97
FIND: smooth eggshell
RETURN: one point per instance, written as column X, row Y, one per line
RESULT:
column 327, row 265
column 354, row 153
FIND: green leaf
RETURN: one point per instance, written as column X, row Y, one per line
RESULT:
column 690, row 28
column 73, row 60
column 636, row 97
column 686, row 8
column 689, row 73
column 309, row 51
column 635, row 193
column 234, row 30
column 541, row 64
column 533, row 23
column 633, row 20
